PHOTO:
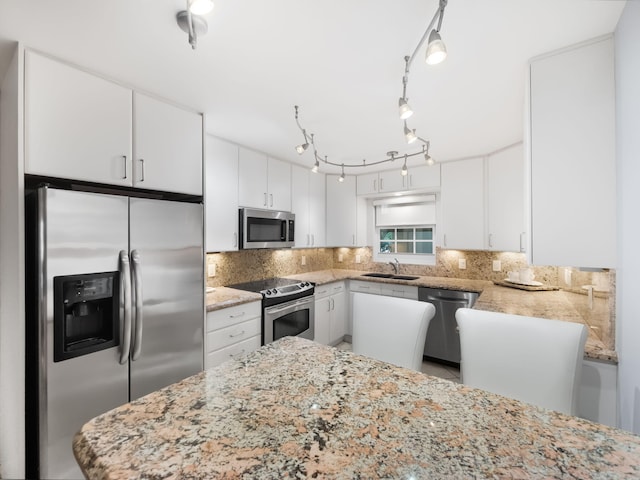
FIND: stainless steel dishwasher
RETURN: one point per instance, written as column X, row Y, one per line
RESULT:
column 443, row 340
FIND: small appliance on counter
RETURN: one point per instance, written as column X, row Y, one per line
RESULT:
column 288, row 307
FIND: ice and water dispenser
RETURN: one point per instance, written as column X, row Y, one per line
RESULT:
column 86, row 314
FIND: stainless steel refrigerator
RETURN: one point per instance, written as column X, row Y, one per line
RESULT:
column 115, row 310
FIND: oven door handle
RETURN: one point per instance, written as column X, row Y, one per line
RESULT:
column 293, row 306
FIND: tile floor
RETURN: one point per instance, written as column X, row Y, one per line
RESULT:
column 430, row 368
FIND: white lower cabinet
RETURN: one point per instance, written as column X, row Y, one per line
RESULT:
column 232, row 332
column 330, row 313
column 597, row 394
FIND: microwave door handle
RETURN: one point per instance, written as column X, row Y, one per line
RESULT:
column 137, row 279
column 125, row 306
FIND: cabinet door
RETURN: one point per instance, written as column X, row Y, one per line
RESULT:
column 463, row 204
column 367, row 184
column 279, row 185
column 424, row 176
column 322, row 321
column 505, row 195
column 573, row 168
column 338, row 317
column 392, row 181
column 300, row 202
column 317, row 210
column 252, row 179
column 167, row 147
column 77, row 125
column 341, row 211
column 221, row 200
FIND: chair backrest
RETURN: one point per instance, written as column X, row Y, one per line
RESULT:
column 391, row 329
column 535, row 360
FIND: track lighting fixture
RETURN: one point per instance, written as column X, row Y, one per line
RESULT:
column 436, row 50
column 301, row 148
column 316, row 166
column 428, row 158
column 191, row 22
column 341, row 178
column 404, row 109
column 404, row 170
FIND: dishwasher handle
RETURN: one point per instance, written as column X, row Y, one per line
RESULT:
column 430, row 298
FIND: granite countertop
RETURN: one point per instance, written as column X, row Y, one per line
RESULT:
column 296, row 409
column 544, row 304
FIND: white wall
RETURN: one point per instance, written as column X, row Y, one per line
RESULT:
column 627, row 39
column 12, row 342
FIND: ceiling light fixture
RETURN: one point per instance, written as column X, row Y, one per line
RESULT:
column 436, row 53
column 191, row 22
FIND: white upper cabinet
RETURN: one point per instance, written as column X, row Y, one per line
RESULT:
column 77, row 125
column 167, row 147
column 341, row 212
column 389, row 181
column 462, row 204
column 308, row 202
column 221, row 199
column 573, row 171
column 264, row 182
column 505, row 200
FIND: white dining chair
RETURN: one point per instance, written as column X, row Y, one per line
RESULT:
column 534, row 360
column 391, row 329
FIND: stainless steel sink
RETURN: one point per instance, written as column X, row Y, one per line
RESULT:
column 389, row 275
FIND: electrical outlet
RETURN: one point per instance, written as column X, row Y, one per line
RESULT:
column 304, row 260
column 211, row 269
column 357, row 258
column 497, row 265
column 462, row 263
column 340, row 257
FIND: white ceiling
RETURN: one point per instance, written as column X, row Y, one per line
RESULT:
column 340, row 60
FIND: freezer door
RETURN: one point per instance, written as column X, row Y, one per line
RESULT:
column 167, row 260
column 80, row 233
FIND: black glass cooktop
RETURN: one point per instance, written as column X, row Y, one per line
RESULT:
column 260, row 286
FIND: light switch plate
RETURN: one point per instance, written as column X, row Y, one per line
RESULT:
column 497, row 265
column 211, row 269
column 339, row 257
column 357, row 258
column 304, row 260
column 462, row 263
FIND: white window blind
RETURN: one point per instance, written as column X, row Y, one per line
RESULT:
column 400, row 211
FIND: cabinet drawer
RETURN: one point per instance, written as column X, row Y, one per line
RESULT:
column 329, row 289
column 403, row 291
column 232, row 315
column 226, row 336
column 364, row 287
column 236, row 350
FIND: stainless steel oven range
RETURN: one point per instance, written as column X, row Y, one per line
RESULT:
column 288, row 307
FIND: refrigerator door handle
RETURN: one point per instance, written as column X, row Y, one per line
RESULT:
column 137, row 284
column 125, row 305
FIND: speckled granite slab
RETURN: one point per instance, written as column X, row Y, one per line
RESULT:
column 297, row 409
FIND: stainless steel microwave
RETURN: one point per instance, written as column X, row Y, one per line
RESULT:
column 266, row 228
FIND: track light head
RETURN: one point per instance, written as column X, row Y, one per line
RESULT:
column 404, row 110
column 301, row 148
column 404, row 170
column 316, row 166
column 341, row 178
column 429, row 159
column 410, row 135
column 200, row 7
column 436, row 50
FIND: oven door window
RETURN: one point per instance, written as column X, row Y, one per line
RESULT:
column 266, row 230
column 291, row 324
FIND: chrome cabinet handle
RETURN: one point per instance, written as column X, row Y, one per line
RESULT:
column 137, row 287
column 333, row 304
column 236, row 316
column 522, row 249
column 328, row 304
column 235, row 239
column 125, row 305
column 265, row 199
column 375, row 185
column 313, row 240
column 410, row 181
column 142, row 170
column 381, row 184
column 271, row 198
column 124, row 157
column 491, row 240
column 239, row 354
column 353, row 239
column 444, row 240
column 236, row 335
